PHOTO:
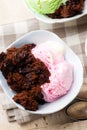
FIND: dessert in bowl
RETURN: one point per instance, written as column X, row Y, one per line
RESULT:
column 57, row 11
column 53, row 77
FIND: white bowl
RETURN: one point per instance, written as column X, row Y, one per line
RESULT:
column 49, row 20
column 38, row 37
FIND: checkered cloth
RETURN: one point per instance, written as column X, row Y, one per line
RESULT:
column 73, row 33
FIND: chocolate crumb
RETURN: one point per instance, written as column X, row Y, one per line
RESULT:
column 69, row 9
column 24, row 74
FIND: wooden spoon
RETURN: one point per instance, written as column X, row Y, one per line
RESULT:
column 83, row 93
column 77, row 110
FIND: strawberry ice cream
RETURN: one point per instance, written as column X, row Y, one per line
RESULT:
column 61, row 79
column 49, row 53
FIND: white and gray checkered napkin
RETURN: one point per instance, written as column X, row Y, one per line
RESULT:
column 73, row 33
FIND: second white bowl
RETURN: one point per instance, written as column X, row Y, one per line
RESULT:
column 49, row 20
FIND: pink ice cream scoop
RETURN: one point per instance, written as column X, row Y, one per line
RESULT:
column 49, row 52
column 61, row 79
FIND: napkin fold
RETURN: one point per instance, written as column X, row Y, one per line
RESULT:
column 14, row 113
